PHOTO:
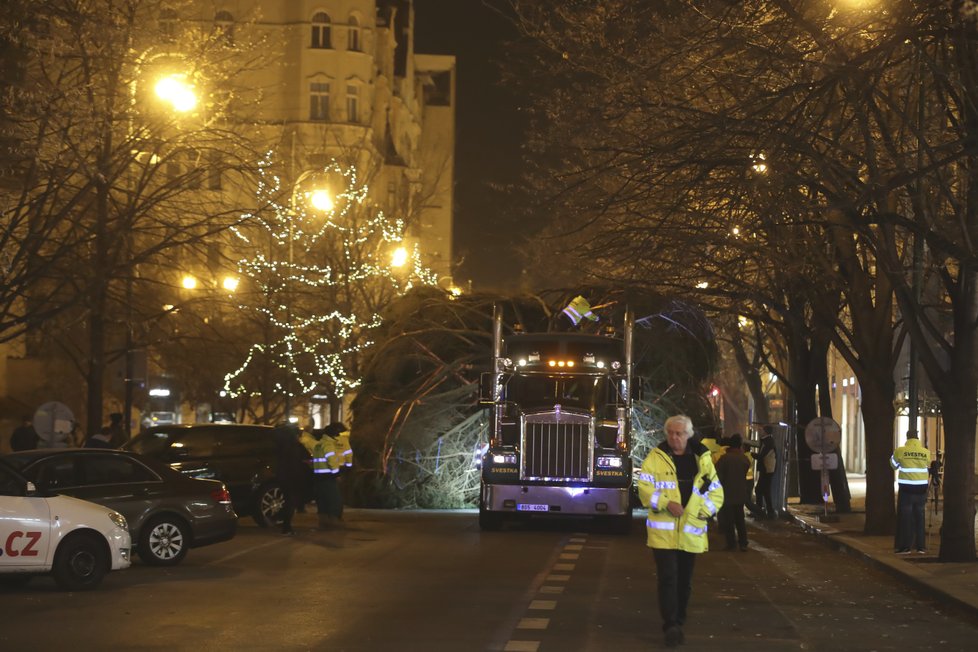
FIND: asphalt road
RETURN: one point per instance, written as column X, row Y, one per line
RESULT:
column 432, row 582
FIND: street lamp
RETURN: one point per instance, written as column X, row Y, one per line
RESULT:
column 321, row 199
column 178, row 93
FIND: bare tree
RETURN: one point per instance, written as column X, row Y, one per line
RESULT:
column 134, row 159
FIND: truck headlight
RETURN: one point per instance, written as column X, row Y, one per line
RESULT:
column 609, row 462
column 119, row 520
column 504, row 458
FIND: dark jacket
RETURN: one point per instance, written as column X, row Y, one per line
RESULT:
column 732, row 470
column 767, row 456
column 24, row 438
column 99, row 440
column 290, row 456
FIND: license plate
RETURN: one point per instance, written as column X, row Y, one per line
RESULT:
column 532, row 508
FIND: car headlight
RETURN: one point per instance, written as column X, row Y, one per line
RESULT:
column 119, row 520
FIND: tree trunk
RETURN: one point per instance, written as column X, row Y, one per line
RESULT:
column 803, row 383
column 958, row 530
column 878, row 416
column 95, row 374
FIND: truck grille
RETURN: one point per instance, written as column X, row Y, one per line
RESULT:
column 557, row 446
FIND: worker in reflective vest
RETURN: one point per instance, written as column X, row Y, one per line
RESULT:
column 679, row 485
column 912, row 464
column 324, row 469
column 340, row 442
column 344, row 449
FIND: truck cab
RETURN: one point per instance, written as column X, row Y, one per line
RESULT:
column 559, row 407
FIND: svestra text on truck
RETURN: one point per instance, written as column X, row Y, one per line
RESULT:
column 559, row 427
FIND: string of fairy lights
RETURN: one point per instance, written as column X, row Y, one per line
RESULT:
column 320, row 286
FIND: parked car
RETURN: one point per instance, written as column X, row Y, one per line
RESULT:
column 242, row 456
column 167, row 512
column 77, row 541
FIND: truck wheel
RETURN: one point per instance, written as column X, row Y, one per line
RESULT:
column 80, row 563
column 488, row 521
column 269, row 500
column 163, row 541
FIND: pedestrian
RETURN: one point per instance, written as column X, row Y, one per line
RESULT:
column 24, row 437
column 679, row 485
column 341, row 461
column 289, row 468
column 767, row 465
column 712, row 442
column 325, row 471
column 912, row 463
column 101, row 439
column 732, row 470
column 116, row 430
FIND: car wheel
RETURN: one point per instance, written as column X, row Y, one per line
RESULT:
column 269, row 501
column 80, row 563
column 163, row 541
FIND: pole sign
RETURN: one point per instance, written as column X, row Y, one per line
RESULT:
column 823, row 435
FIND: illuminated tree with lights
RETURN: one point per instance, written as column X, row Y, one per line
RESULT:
column 324, row 261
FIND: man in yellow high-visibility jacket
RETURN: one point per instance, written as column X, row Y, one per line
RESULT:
column 679, row 485
column 325, row 469
column 912, row 463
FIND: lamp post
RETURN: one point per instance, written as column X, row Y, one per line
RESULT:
column 176, row 92
column 321, row 200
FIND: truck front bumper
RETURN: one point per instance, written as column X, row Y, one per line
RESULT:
column 537, row 499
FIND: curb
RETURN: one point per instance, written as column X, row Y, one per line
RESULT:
column 898, row 568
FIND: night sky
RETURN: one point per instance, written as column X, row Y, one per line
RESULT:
column 488, row 136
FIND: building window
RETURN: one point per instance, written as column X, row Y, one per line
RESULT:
column 224, row 25
column 319, row 101
column 320, row 31
column 352, row 103
column 168, row 25
column 215, row 168
column 353, row 35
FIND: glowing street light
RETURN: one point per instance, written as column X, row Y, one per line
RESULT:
column 189, row 282
column 176, row 91
column 230, row 283
column 399, row 257
column 321, row 200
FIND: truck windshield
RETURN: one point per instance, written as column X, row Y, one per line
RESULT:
column 587, row 393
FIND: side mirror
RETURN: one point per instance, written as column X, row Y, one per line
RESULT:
column 485, row 388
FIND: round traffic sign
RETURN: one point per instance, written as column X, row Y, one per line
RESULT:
column 823, row 435
column 53, row 422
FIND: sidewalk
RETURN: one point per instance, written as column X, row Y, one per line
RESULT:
column 955, row 584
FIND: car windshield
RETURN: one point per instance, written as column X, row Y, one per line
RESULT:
column 581, row 392
column 151, row 443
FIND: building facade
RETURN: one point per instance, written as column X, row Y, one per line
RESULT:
column 327, row 81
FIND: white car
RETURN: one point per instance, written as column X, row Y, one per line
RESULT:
column 77, row 541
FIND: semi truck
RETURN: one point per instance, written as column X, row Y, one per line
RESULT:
column 559, row 407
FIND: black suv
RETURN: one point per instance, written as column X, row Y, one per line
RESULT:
column 240, row 456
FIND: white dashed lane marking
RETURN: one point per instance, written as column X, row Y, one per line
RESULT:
column 570, row 552
column 549, row 605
